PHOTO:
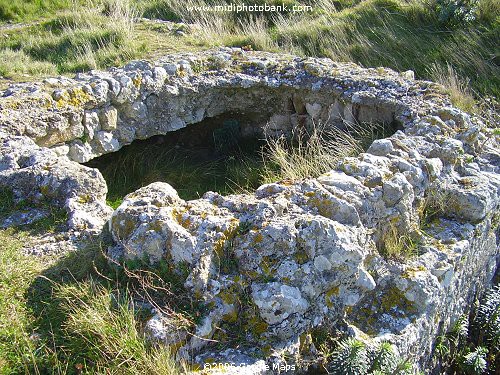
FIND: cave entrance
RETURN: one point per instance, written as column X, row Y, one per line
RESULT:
column 212, row 155
column 233, row 153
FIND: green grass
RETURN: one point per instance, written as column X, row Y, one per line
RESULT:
column 76, row 313
column 318, row 151
column 17, row 272
column 398, row 34
column 18, row 64
column 193, row 169
column 60, row 316
column 54, row 219
column 191, row 172
column 26, row 10
column 75, row 40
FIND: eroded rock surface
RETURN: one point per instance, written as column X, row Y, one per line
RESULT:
column 293, row 256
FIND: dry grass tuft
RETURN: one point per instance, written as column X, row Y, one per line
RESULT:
column 312, row 153
column 458, row 88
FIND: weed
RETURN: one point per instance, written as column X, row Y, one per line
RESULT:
column 395, row 245
column 472, row 344
column 433, row 206
column 244, row 227
column 453, row 13
column 458, row 88
column 191, row 168
column 312, row 153
column 228, row 263
column 353, row 357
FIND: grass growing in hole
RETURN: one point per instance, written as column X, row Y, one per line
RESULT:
column 312, row 153
column 433, row 206
column 194, row 169
column 395, row 245
column 190, row 170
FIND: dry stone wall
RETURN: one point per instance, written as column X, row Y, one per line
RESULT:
column 301, row 254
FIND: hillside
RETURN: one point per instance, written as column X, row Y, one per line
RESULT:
column 360, row 247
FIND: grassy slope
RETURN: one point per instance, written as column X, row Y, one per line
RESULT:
column 393, row 33
column 58, row 316
column 26, row 10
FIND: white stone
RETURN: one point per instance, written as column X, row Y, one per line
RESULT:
column 381, row 147
column 107, row 142
column 80, row 152
column 91, row 123
column 322, row 263
column 313, row 109
column 108, row 118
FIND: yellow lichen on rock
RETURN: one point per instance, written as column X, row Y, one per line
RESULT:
column 75, row 97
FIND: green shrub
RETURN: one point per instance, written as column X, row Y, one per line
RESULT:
column 353, row 357
column 454, row 13
column 475, row 363
column 487, row 320
column 472, row 346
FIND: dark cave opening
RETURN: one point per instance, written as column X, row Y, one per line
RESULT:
column 212, row 155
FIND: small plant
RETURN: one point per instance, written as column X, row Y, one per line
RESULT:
column 475, row 363
column 433, row 206
column 353, row 357
column 244, row 227
column 395, row 245
column 453, row 13
column 457, row 86
column 487, row 320
column 471, row 346
column 350, row 358
column 386, row 359
column 310, row 153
